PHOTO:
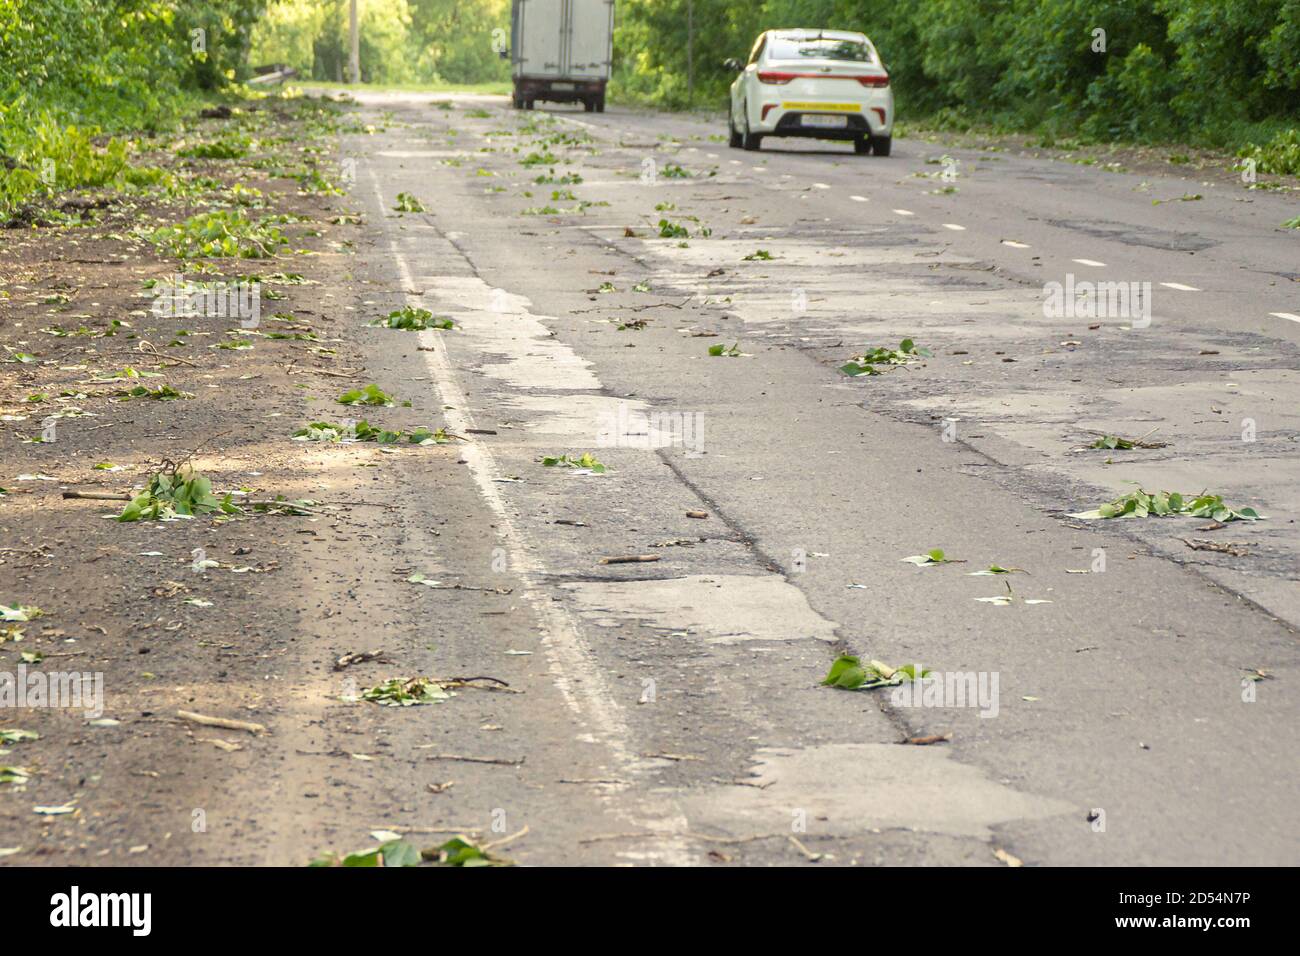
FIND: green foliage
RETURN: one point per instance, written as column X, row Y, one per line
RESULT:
column 535, row 158
column 163, row 393
column 226, row 147
column 363, row 431
column 73, row 69
column 672, row 230
column 930, row 558
column 587, row 461
column 402, row 41
column 49, row 157
column 370, row 395
column 176, row 492
column 408, row 203
column 225, row 233
column 1281, row 154
column 412, row 319
column 849, row 673
column 1142, row 504
column 407, row 692
column 1204, row 69
column 865, row 364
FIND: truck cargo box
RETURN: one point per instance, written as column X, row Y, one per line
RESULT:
column 561, row 51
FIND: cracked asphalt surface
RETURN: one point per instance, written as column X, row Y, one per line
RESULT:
column 1127, row 699
column 1121, row 696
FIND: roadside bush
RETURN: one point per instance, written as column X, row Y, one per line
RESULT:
column 1279, row 155
column 1209, row 71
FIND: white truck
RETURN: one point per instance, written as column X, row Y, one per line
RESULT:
column 560, row 50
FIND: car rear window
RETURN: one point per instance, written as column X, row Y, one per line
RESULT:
column 819, row 48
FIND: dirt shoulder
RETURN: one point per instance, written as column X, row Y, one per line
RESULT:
column 242, row 617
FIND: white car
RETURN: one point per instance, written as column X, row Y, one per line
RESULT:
column 826, row 84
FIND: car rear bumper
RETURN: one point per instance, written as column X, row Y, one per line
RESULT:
column 784, row 117
column 791, row 124
column 557, row 90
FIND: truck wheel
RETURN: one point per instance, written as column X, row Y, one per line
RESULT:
column 600, row 103
column 589, row 105
column 528, row 104
column 880, row 145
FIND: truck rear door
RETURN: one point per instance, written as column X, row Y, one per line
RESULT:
column 540, row 37
column 591, row 30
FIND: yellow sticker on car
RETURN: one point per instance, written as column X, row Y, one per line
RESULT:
column 824, row 107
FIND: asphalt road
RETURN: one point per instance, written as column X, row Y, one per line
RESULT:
column 1116, row 720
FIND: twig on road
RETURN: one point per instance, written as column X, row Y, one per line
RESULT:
column 223, row 722
column 504, row 840
column 499, row 761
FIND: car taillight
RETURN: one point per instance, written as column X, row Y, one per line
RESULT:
column 778, row 78
column 876, row 81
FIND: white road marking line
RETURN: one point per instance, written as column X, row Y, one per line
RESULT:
column 858, row 198
column 1015, row 245
column 1180, row 287
column 560, row 635
column 1090, row 262
column 904, row 212
column 759, row 169
column 954, row 227
column 1286, row 315
column 820, row 186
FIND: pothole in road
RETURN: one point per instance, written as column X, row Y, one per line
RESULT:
column 847, row 789
column 1137, row 236
column 724, row 608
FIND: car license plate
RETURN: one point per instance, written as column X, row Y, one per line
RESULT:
column 830, row 122
column 561, row 86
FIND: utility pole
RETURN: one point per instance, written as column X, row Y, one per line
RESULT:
column 354, row 57
column 690, row 54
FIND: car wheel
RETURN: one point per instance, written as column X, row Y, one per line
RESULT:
column 750, row 141
column 734, row 141
column 862, row 145
column 880, row 145
column 600, row 103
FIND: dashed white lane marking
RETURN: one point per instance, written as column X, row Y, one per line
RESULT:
column 1286, row 315
column 1015, row 245
column 1180, row 287
column 1090, row 262
column 820, row 186
column 858, row 198
column 904, row 212
column 759, row 169
column 954, row 227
